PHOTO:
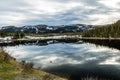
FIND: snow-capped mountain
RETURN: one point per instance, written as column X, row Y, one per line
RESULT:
column 49, row 29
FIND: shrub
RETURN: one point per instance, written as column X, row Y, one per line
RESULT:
column 27, row 67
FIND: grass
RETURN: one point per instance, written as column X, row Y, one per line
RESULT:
column 10, row 69
column 53, row 34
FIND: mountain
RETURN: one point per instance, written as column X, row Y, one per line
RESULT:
column 48, row 29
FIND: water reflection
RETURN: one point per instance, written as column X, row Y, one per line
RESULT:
column 73, row 60
column 108, row 43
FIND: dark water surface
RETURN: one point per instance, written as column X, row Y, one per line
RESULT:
column 72, row 59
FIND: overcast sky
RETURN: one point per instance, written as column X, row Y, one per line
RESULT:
column 58, row 12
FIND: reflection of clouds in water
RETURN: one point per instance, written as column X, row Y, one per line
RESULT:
column 52, row 61
column 23, row 51
column 60, row 54
column 111, row 61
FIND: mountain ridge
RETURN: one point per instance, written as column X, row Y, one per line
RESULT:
column 41, row 28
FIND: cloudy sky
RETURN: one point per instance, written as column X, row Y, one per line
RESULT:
column 58, row 12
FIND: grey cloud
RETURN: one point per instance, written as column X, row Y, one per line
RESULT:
column 67, row 16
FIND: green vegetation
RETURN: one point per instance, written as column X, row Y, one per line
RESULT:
column 3, row 34
column 108, row 31
column 18, row 35
column 10, row 69
column 15, row 35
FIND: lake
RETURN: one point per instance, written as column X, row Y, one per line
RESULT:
column 71, row 59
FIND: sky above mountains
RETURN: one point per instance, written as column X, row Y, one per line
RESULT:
column 58, row 12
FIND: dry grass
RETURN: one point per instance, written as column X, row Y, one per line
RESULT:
column 53, row 34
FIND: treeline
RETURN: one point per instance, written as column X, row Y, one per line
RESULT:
column 107, row 31
column 15, row 35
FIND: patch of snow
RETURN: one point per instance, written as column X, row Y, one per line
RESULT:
column 52, row 37
column 36, row 30
column 49, row 28
column 6, row 38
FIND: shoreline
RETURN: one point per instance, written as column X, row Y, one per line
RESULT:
column 61, row 38
column 100, row 38
column 38, row 39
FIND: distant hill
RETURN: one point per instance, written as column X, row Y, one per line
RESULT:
column 111, row 30
column 48, row 29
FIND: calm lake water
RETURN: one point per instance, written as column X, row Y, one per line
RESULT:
column 72, row 59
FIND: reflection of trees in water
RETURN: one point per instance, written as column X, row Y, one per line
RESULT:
column 17, row 43
column 108, row 43
column 38, row 42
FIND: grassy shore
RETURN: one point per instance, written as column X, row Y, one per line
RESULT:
column 10, row 69
column 53, row 34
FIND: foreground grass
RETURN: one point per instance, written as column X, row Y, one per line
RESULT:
column 10, row 69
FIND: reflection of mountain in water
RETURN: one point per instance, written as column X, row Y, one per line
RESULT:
column 39, row 42
column 108, row 43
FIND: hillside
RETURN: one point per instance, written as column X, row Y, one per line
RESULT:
column 48, row 29
column 108, row 31
column 10, row 69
